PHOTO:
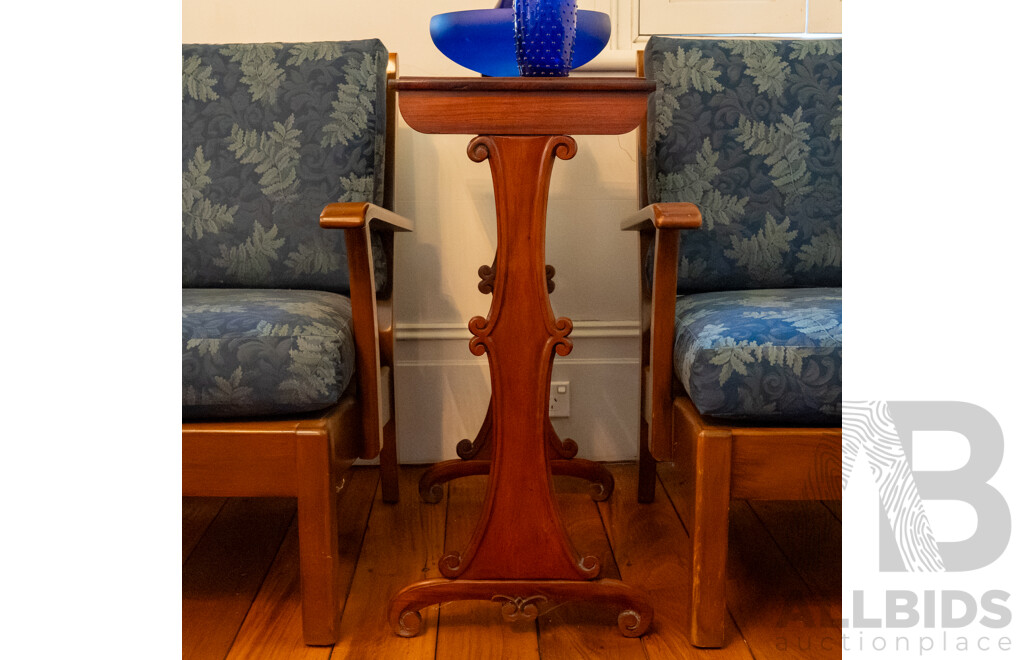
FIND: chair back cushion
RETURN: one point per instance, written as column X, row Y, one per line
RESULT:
column 271, row 133
column 750, row 132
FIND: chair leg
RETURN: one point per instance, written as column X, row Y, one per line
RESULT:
column 318, row 540
column 709, row 537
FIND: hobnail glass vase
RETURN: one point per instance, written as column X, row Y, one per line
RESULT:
column 545, row 35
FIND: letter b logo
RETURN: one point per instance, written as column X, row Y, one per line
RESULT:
column 883, row 431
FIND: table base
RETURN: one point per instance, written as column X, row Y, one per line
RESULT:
column 520, row 599
column 475, row 459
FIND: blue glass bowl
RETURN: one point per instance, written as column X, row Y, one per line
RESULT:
column 483, row 40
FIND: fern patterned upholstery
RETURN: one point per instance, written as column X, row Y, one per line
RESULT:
column 773, row 355
column 264, row 351
column 271, row 134
column 750, row 132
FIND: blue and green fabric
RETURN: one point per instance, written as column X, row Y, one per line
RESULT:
column 258, row 350
column 771, row 355
column 751, row 132
column 272, row 133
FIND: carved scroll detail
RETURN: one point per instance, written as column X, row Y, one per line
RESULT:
column 450, row 564
column 486, row 274
column 431, row 493
column 634, row 606
column 560, row 333
column 466, row 449
column 590, row 565
column 479, row 148
column 566, row 448
column 409, row 622
column 564, row 146
column 515, row 608
column 479, row 328
column 632, row 624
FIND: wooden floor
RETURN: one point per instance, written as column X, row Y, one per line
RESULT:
column 240, row 576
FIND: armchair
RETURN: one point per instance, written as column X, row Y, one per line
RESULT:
column 741, row 285
column 287, row 342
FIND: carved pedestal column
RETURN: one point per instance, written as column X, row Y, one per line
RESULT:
column 519, row 554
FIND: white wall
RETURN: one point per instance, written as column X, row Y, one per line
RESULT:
column 442, row 389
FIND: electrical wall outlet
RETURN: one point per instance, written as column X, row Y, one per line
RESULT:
column 558, row 400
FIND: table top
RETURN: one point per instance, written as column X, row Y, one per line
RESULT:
column 523, row 106
column 484, row 83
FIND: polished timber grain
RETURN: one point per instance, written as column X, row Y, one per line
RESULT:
column 519, row 554
column 241, row 600
column 518, row 106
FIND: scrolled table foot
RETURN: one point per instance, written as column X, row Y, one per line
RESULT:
column 520, row 599
column 404, row 607
column 409, row 622
column 431, row 481
column 633, row 624
column 466, row 449
column 431, row 493
column 602, row 481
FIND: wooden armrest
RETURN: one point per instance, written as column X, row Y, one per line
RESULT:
column 352, row 215
column 658, row 225
column 372, row 314
column 673, row 215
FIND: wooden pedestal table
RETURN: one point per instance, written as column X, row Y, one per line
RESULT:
column 520, row 554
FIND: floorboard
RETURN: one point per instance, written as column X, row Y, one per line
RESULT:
column 240, row 595
column 585, row 629
column 458, row 636
column 778, row 614
column 811, row 539
column 272, row 630
column 403, row 543
column 196, row 515
column 650, row 545
column 225, row 570
column 777, row 611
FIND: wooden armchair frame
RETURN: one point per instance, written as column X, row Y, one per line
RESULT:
column 720, row 461
column 306, row 456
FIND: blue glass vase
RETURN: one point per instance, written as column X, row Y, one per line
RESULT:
column 545, row 35
column 483, row 40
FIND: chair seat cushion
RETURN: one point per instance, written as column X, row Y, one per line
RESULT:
column 249, row 352
column 770, row 356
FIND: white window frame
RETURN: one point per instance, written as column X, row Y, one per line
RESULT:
column 818, row 18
